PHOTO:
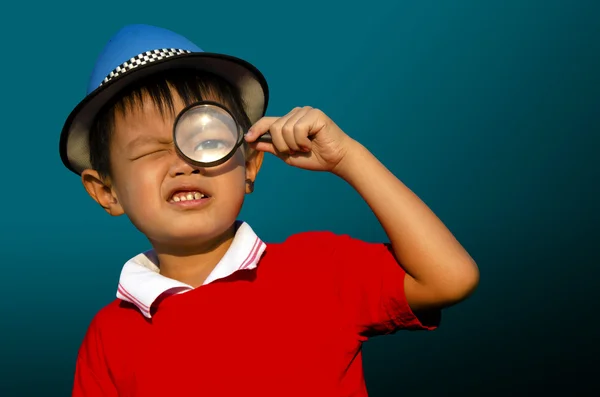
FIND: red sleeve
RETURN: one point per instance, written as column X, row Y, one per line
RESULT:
column 371, row 288
column 92, row 377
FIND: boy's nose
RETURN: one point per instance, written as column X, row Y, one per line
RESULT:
column 181, row 167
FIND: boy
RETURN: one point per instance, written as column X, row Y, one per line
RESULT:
column 212, row 310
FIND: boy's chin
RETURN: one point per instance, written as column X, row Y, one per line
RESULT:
column 193, row 238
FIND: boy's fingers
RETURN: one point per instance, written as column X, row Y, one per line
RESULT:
column 288, row 129
column 264, row 147
column 264, row 124
column 302, row 129
column 259, row 128
column 277, row 137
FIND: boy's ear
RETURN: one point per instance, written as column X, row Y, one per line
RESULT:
column 101, row 192
column 254, row 161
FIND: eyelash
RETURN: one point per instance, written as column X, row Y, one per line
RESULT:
column 150, row 153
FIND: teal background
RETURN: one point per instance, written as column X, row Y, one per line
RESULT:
column 489, row 110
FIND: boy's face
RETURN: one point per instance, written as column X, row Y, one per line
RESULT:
column 148, row 179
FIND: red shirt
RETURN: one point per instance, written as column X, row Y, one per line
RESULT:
column 291, row 326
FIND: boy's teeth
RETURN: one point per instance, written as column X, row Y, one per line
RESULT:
column 187, row 196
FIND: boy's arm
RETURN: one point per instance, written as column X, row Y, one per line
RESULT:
column 439, row 271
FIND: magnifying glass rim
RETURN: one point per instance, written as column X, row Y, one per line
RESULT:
column 240, row 138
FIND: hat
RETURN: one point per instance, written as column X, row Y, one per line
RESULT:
column 138, row 51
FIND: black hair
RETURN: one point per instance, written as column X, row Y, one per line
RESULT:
column 190, row 85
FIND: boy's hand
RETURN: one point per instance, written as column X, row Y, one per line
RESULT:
column 304, row 138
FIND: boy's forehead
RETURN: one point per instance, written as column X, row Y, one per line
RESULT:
column 144, row 103
column 143, row 114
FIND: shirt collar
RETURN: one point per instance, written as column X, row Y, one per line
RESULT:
column 141, row 283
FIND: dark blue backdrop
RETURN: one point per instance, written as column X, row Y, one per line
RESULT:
column 489, row 110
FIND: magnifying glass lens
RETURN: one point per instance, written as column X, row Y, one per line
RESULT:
column 206, row 133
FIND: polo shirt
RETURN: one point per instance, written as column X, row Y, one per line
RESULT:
column 277, row 319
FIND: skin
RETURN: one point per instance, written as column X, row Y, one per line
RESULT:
column 189, row 243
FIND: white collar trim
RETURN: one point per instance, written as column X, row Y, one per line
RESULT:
column 141, row 283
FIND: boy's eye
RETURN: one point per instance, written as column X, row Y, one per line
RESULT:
column 150, row 153
column 211, row 144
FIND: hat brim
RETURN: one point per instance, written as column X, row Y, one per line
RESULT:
column 74, row 142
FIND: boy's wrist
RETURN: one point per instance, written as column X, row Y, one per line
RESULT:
column 350, row 161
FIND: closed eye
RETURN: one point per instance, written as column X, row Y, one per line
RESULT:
column 154, row 152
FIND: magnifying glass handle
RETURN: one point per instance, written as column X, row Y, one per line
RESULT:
column 265, row 138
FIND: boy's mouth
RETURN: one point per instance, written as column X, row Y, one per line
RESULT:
column 187, row 195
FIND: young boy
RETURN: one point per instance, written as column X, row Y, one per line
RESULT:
column 212, row 310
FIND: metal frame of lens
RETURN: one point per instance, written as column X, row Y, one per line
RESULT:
column 238, row 143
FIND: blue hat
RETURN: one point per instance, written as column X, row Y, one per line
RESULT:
column 137, row 51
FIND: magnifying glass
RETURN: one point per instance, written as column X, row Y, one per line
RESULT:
column 206, row 134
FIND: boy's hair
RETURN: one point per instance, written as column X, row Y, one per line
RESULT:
column 190, row 85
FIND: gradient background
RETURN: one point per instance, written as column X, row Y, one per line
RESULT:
column 486, row 109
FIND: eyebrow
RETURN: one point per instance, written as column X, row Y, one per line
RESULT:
column 145, row 139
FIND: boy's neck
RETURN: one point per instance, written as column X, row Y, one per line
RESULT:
column 193, row 265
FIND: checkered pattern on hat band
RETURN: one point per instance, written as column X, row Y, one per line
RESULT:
column 142, row 59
